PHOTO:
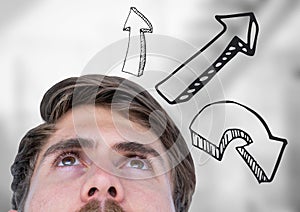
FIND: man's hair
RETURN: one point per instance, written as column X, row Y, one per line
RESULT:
column 24, row 164
column 128, row 99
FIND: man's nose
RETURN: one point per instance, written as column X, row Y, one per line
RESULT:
column 101, row 185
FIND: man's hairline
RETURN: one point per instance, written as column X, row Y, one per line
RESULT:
column 106, row 107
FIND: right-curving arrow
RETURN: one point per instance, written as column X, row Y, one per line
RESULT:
column 220, row 123
column 239, row 34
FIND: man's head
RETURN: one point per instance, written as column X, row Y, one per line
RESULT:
column 104, row 140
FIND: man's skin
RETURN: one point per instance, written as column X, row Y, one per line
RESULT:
column 120, row 161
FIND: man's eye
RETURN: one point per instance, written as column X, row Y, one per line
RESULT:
column 68, row 159
column 138, row 163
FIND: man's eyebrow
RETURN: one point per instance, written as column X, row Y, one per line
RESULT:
column 72, row 143
column 134, row 147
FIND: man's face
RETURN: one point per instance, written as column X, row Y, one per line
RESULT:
column 99, row 159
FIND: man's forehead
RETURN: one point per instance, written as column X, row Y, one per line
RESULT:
column 101, row 135
column 101, row 124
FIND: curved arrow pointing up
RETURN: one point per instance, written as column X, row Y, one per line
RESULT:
column 137, row 24
column 183, row 83
column 244, row 123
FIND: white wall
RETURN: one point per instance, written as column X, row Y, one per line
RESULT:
column 42, row 42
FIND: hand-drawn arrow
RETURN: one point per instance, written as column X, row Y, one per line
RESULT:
column 137, row 24
column 183, row 83
column 244, row 123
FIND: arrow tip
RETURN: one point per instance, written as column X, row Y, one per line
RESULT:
column 244, row 26
column 137, row 20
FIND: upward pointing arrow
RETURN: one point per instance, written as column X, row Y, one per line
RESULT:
column 184, row 82
column 137, row 24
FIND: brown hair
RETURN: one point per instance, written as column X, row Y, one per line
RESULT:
column 128, row 99
column 24, row 164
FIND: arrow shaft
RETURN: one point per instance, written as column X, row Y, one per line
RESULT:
column 136, row 54
column 186, row 80
column 228, row 54
column 217, row 151
column 142, row 62
column 255, row 168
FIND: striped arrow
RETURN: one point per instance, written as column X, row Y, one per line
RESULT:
column 241, row 123
column 184, row 82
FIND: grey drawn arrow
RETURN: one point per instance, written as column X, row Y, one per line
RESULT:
column 183, row 83
column 241, row 123
column 137, row 25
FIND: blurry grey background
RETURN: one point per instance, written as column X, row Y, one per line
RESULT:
column 42, row 42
